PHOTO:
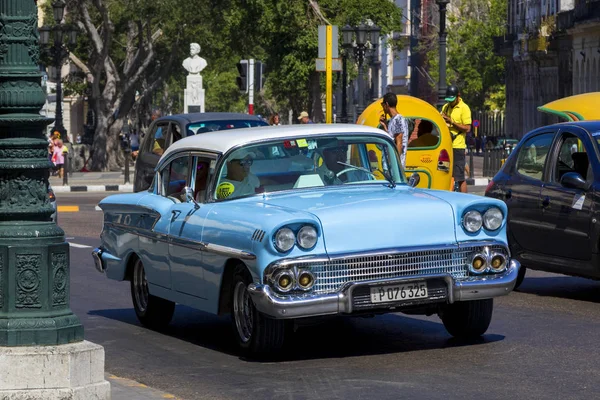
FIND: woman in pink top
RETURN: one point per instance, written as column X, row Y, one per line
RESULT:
column 58, row 157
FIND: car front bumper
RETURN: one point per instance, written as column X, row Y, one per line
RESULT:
column 473, row 288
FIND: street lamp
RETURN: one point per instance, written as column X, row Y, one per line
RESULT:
column 58, row 52
column 442, row 4
column 366, row 37
column 374, row 62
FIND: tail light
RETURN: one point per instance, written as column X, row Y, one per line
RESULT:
column 489, row 186
column 444, row 161
column 51, row 195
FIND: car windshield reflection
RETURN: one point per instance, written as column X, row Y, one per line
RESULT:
column 307, row 163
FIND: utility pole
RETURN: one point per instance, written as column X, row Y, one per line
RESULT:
column 442, row 82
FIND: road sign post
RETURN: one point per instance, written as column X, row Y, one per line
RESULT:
column 328, row 62
column 251, row 86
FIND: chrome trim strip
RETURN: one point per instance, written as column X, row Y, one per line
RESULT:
column 300, row 306
column 194, row 244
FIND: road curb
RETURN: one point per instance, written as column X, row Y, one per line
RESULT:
column 93, row 188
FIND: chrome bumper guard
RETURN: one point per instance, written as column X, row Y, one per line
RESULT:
column 97, row 255
column 473, row 288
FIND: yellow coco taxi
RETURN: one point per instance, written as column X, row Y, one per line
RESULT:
column 432, row 162
column 575, row 108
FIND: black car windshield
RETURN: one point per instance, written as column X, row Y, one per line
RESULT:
column 210, row 126
column 298, row 163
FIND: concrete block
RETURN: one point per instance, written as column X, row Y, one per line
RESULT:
column 66, row 372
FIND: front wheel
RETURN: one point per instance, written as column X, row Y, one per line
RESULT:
column 468, row 319
column 152, row 311
column 255, row 333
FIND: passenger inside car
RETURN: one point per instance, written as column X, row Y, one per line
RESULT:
column 425, row 136
column 158, row 147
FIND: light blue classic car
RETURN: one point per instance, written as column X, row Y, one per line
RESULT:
column 273, row 224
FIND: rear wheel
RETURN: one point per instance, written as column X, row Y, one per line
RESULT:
column 152, row 311
column 468, row 319
column 255, row 333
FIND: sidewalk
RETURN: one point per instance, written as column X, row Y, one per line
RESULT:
column 93, row 182
column 126, row 389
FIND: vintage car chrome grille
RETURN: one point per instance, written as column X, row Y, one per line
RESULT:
column 332, row 275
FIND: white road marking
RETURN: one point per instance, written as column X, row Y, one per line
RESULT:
column 79, row 246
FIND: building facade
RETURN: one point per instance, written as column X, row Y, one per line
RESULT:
column 552, row 48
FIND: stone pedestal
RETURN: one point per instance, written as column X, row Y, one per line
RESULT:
column 194, row 94
column 64, row 372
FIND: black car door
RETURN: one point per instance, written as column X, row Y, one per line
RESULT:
column 522, row 193
column 566, row 212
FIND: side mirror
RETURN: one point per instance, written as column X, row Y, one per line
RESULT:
column 414, row 179
column 189, row 196
column 573, row 180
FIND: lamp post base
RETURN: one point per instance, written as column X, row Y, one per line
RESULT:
column 65, row 372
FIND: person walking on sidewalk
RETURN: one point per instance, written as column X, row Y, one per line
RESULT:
column 457, row 115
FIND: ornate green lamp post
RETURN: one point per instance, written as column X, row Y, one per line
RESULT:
column 34, row 257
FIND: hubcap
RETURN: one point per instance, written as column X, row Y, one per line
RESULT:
column 242, row 311
column 140, row 286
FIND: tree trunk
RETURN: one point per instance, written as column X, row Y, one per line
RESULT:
column 107, row 154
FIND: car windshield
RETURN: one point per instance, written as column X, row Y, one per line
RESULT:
column 210, row 126
column 596, row 136
column 302, row 163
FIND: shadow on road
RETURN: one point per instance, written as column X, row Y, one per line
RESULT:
column 566, row 287
column 325, row 338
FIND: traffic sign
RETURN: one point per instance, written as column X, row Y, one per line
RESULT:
column 336, row 64
column 475, row 123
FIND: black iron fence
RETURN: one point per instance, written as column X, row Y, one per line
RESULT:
column 489, row 137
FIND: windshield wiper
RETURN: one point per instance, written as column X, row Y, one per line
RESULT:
column 392, row 184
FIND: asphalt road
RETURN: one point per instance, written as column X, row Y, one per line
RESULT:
column 542, row 343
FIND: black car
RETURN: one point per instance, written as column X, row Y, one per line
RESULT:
column 551, row 185
column 167, row 130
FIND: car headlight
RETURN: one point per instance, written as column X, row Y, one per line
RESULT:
column 284, row 239
column 492, row 219
column 472, row 221
column 307, row 237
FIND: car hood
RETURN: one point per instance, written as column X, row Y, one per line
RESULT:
column 361, row 219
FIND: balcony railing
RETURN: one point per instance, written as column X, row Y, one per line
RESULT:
column 565, row 20
column 586, row 10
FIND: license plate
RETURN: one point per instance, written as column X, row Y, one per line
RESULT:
column 383, row 294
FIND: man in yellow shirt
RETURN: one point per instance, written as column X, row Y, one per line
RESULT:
column 457, row 115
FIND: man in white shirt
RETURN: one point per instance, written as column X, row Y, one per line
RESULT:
column 239, row 181
column 396, row 127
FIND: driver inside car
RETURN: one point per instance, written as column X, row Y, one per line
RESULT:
column 239, row 181
column 336, row 169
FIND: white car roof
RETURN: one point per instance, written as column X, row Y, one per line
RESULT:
column 223, row 141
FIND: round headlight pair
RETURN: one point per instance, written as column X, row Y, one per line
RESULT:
column 491, row 219
column 285, row 238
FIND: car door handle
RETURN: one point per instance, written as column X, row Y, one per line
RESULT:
column 508, row 194
column 546, row 202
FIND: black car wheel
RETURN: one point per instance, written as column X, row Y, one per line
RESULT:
column 256, row 334
column 152, row 311
column 468, row 319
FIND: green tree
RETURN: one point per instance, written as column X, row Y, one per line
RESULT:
column 472, row 64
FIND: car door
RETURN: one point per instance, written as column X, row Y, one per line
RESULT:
column 522, row 192
column 186, row 225
column 151, row 149
column 567, row 212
